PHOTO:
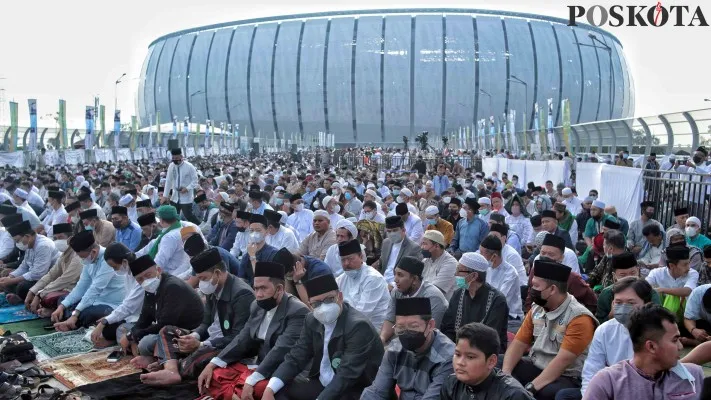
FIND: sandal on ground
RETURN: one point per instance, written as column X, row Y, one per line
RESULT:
column 10, row 365
column 34, row 372
column 17, row 380
column 8, row 391
column 46, row 392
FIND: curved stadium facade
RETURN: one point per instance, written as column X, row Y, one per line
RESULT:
column 374, row 76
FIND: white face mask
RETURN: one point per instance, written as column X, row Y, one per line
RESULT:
column 327, row 313
column 207, row 287
column 75, row 219
column 336, row 209
column 369, row 215
column 124, row 270
column 395, row 237
column 463, row 213
column 21, row 246
column 150, row 285
column 446, row 199
column 691, row 231
column 61, row 245
column 256, row 237
column 299, row 207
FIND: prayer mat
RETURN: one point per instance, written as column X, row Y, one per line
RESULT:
column 131, row 387
column 61, row 344
column 33, row 327
column 84, row 369
column 15, row 314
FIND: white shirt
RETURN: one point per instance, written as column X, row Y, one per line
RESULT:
column 511, row 256
column 264, row 325
column 240, row 246
column 522, row 226
column 574, row 205
column 390, row 268
column 35, row 199
column 367, row 293
column 569, row 259
column 38, row 260
column 171, row 257
column 660, row 278
column 183, row 175
column 505, row 279
column 326, row 373
column 333, row 259
column 303, row 223
column 99, row 212
column 379, row 216
column 130, row 308
column 413, row 227
column 7, row 244
column 611, row 344
column 283, row 238
column 205, row 226
column 58, row 216
column 334, row 218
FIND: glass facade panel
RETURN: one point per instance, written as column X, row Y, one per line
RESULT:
column 143, row 111
column 367, row 79
column 396, row 80
column 591, row 77
column 492, row 66
column 285, row 79
column 196, row 77
column 340, row 54
column 237, row 79
column 260, row 80
column 460, row 68
column 311, row 85
column 216, row 68
column 179, row 77
column 162, row 99
column 522, row 66
column 572, row 81
column 428, row 75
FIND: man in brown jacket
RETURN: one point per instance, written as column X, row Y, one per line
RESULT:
column 61, row 278
column 104, row 231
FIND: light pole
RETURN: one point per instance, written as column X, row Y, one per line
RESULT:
column 116, row 91
column 516, row 79
column 607, row 48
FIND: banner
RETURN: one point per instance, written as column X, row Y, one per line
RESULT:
column 159, row 139
column 150, row 131
column 504, row 130
column 14, row 158
column 134, row 132
column 74, row 157
column 222, row 134
column 89, row 137
column 123, row 154
column 565, row 105
column 102, row 124
column 32, row 145
column 13, row 127
column 552, row 142
column 175, row 127
column 536, row 137
column 117, row 129
column 196, row 138
column 492, row 133
column 208, row 125
column 63, row 140
column 96, row 115
column 186, row 130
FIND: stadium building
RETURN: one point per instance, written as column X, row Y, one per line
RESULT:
column 374, row 76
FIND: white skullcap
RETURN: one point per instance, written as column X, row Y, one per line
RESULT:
column 566, row 192
column 279, row 189
column 431, row 210
column 80, row 179
column 321, row 213
column 371, row 192
column 348, row 225
column 694, row 220
column 484, row 200
column 352, row 219
column 225, row 197
column 284, row 216
column 370, row 185
column 335, row 185
column 125, row 200
column 598, row 204
column 20, row 193
column 474, row 262
column 407, row 192
column 326, row 200
column 429, row 183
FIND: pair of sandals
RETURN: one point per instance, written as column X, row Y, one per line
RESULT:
column 44, row 392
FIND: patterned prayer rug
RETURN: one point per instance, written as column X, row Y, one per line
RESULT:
column 84, row 369
column 62, row 343
column 15, row 313
column 33, row 327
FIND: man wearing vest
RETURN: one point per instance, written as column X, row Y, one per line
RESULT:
column 558, row 330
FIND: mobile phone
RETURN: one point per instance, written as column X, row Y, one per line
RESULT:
column 115, row 356
column 49, row 327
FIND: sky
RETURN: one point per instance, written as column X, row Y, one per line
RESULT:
column 76, row 49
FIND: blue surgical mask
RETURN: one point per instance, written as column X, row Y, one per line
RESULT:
column 348, row 196
column 431, row 221
column 461, row 282
column 396, row 192
column 89, row 228
column 279, row 201
column 354, row 273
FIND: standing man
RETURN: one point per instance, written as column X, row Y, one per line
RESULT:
column 180, row 184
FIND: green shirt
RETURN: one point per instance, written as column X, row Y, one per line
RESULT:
column 604, row 303
column 700, row 241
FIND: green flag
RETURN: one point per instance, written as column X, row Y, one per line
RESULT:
column 63, row 140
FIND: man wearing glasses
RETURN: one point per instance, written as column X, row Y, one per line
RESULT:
column 419, row 360
column 340, row 342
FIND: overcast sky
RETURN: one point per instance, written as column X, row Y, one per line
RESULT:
column 76, row 49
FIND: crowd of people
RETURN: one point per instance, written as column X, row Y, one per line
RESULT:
column 282, row 276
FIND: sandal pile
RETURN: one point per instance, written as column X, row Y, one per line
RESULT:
column 18, row 385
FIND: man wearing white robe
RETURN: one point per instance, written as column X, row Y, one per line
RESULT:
column 345, row 231
column 302, row 218
column 56, row 213
column 277, row 235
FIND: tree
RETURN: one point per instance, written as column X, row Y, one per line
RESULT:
column 639, row 138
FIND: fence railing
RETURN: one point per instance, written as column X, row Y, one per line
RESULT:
column 670, row 190
column 402, row 162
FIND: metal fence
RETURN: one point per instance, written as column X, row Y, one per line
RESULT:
column 670, row 190
column 404, row 162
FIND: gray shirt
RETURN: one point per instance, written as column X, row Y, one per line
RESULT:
column 437, row 301
column 635, row 236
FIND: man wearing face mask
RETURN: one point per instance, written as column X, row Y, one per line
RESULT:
column 412, row 223
column 210, row 210
column 275, row 322
column 224, row 232
column 256, row 202
column 394, row 247
column 624, row 265
column 410, row 284
column 40, row 256
column 330, row 204
column 693, row 234
column 160, row 309
column 471, row 230
column 419, row 360
column 278, row 236
column 149, row 228
column 183, row 352
column 180, row 184
column 57, row 214
column 353, row 203
column 301, row 219
column 439, row 265
column 434, row 222
column 115, row 325
column 87, row 203
column 127, row 231
column 60, row 280
column 655, row 363
column 257, row 248
column 503, row 276
column 452, row 211
column 635, row 239
column 98, row 292
column 594, row 224
column 338, row 340
column 104, row 231
column 371, row 212
column 239, row 248
column 558, row 331
column 475, row 300
column 680, row 216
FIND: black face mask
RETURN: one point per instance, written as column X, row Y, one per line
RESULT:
column 267, row 304
column 536, row 297
column 412, row 340
column 426, row 254
column 649, row 215
column 177, row 162
column 697, row 160
column 240, row 229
